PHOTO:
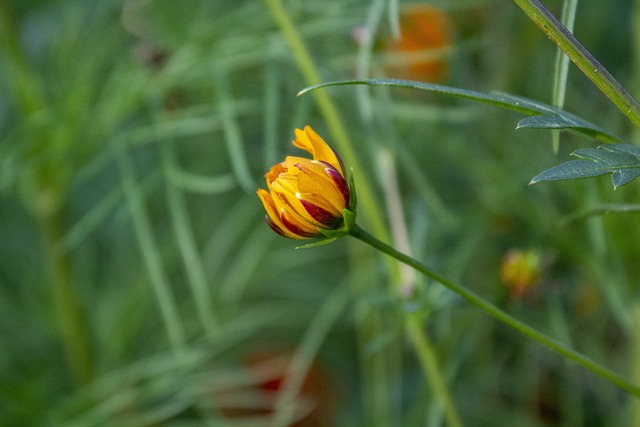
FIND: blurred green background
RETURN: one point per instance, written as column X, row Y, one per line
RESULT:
column 140, row 285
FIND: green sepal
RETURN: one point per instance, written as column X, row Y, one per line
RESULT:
column 353, row 196
column 320, row 242
column 349, row 220
column 329, row 237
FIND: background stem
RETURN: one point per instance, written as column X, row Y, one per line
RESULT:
column 75, row 333
column 47, row 185
column 370, row 320
column 500, row 315
column 590, row 66
column 431, row 367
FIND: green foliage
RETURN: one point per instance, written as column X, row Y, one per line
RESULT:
column 140, row 286
column 620, row 160
column 543, row 116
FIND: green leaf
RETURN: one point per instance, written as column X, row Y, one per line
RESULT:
column 349, row 219
column 620, row 160
column 546, row 116
column 566, row 121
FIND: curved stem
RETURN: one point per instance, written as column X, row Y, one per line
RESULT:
column 590, row 66
column 498, row 314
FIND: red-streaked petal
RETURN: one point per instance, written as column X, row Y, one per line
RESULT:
column 273, row 215
column 319, row 188
column 341, row 183
column 290, row 202
column 274, row 226
column 290, row 206
column 298, row 231
column 324, row 217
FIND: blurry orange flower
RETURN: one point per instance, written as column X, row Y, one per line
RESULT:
column 425, row 34
column 521, row 270
column 306, row 196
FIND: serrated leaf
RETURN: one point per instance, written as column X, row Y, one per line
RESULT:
column 544, row 116
column 620, row 160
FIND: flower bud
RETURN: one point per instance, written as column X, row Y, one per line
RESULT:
column 306, row 196
column 521, row 270
column 421, row 51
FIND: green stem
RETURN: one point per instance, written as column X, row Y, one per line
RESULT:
column 48, row 209
column 326, row 318
column 231, row 128
column 184, row 234
column 590, row 66
column 22, row 81
column 150, row 253
column 498, row 314
column 74, row 330
column 635, row 357
column 431, row 368
column 561, row 71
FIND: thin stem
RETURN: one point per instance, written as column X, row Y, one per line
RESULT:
column 285, row 405
column 635, row 353
column 590, row 66
column 562, row 61
column 500, row 315
column 70, row 315
column 22, row 81
column 75, row 332
column 183, row 231
column 431, row 368
column 151, row 256
column 561, row 71
column 231, row 128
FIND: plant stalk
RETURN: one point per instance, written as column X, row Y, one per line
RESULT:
column 500, row 315
column 75, row 333
column 45, row 200
column 431, row 368
column 590, row 66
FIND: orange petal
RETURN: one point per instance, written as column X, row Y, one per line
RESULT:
column 274, row 216
column 297, row 220
column 318, row 187
column 311, row 142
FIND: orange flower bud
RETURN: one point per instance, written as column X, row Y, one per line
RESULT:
column 306, row 196
column 420, row 52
